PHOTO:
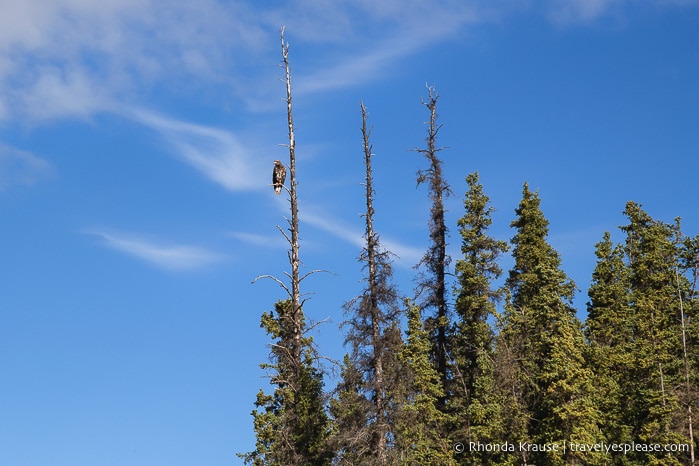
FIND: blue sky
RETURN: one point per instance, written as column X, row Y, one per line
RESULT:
column 136, row 147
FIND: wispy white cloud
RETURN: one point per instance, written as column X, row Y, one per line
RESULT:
column 71, row 58
column 564, row 12
column 45, row 47
column 567, row 12
column 18, row 167
column 369, row 37
column 165, row 256
column 338, row 229
column 62, row 57
column 407, row 255
column 57, row 93
column 348, row 22
column 354, row 70
column 216, row 153
column 39, row 24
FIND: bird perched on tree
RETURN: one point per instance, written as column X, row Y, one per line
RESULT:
column 278, row 176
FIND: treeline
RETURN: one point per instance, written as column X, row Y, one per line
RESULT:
column 486, row 375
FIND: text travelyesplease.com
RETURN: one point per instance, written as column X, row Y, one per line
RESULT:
column 610, row 448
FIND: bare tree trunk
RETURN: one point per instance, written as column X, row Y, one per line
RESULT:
column 376, row 340
column 685, row 356
column 688, row 383
column 291, row 425
column 296, row 313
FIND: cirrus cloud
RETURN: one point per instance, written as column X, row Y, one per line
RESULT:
column 216, row 153
column 19, row 167
column 173, row 257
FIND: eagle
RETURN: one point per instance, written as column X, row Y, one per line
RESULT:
column 278, row 176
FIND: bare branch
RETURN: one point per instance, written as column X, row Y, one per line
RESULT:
column 272, row 277
column 314, row 272
column 283, row 233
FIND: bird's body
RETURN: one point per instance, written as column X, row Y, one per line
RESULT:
column 278, row 176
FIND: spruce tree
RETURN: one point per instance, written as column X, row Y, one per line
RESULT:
column 689, row 266
column 477, row 408
column 610, row 332
column 640, row 330
column 419, row 424
column 657, row 348
column 609, row 321
column 546, row 341
column 350, row 410
column 689, row 260
column 365, row 418
column 290, row 424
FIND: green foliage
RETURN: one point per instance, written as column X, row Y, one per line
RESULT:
column 609, row 320
column 290, row 424
column 419, row 422
column 543, row 338
column 637, row 339
column 610, row 330
column 477, row 409
column 350, row 411
column 654, row 286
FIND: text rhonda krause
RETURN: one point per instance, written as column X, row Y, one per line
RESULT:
column 576, row 447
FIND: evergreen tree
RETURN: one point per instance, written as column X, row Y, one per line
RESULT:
column 374, row 335
column 689, row 265
column 419, row 424
column 290, row 424
column 432, row 283
column 552, row 382
column 657, row 348
column 640, row 330
column 610, row 332
column 609, row 321
column 350, row 409
column 477, row 408
column 689, row 260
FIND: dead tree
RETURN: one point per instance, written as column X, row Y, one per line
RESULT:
column 291, row 425
column 432, row 283
column 365, row 407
